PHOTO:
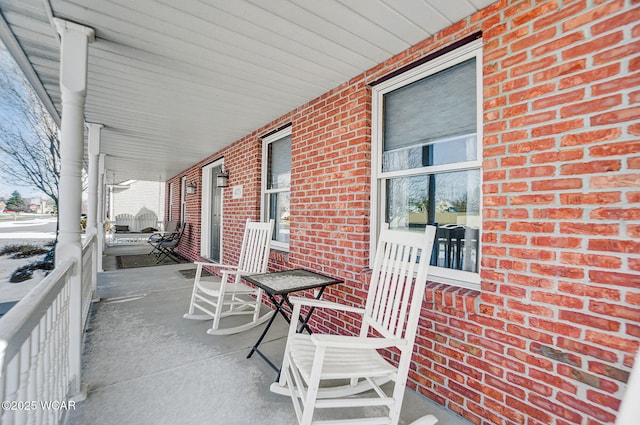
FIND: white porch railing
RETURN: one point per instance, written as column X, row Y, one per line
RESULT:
column 89, row 275
column 36, row 344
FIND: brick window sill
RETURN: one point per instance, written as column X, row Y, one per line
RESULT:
column 443, row 297
column 278, row 259
column 440, row 296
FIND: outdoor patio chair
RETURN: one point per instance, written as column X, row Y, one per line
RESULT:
column 228, row 296
column 165, row 247
column 325, row 371
column 169, row 228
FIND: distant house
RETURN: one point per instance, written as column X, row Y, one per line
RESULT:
column 41, row 206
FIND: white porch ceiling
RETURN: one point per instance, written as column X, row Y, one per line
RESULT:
column 175, row 81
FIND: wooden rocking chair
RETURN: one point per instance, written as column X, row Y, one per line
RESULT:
column 314, row 363
column 228, row 296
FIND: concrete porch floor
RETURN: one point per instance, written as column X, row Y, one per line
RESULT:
column 144, row 364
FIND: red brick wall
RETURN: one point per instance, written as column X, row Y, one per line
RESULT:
column 243, row 161
column 558, row 308
column 550, row 335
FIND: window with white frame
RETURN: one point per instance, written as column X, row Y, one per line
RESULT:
column 427, row 158
column 183, row 199
column 170, row 201
column 276, row 183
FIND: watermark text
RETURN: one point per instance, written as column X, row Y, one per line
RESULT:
column 38, row 405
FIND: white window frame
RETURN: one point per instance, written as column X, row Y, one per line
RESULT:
column 183, row 200
column 282, row 246
column 378, row 196
column 170, row 201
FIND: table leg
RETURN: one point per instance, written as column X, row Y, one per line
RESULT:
column 279, row 304
column 304, row 324
column 266, row 329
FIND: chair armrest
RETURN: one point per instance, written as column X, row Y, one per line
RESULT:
column 168, row 237
column 344, row 341
column 207, row 264
column 312, row 302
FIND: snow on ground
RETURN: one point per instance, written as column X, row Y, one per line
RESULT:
column 16, row 291
column 17, row 225
column 32, row 232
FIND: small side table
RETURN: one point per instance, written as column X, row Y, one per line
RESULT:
column 280, row 285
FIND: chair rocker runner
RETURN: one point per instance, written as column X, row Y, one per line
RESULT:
column 312, row 363
column 228, row 296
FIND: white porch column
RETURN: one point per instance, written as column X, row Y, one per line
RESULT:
column 92, row 193
column 74, row 49
column 101, row 209
column 93, row 177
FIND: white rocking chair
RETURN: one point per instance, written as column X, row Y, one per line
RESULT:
column 312, row 363
column 228, row 296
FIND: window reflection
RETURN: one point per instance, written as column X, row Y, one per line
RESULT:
column 446, row 151
column 451, row 202
column 277, row 150
column 279, row 164
column 279, row 211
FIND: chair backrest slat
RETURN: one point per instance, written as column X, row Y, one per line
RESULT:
column 397, row 283
column 254, row 255
column 174, row 238
column 171, row 226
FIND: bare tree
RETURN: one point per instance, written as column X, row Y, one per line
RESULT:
column 29, row 137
